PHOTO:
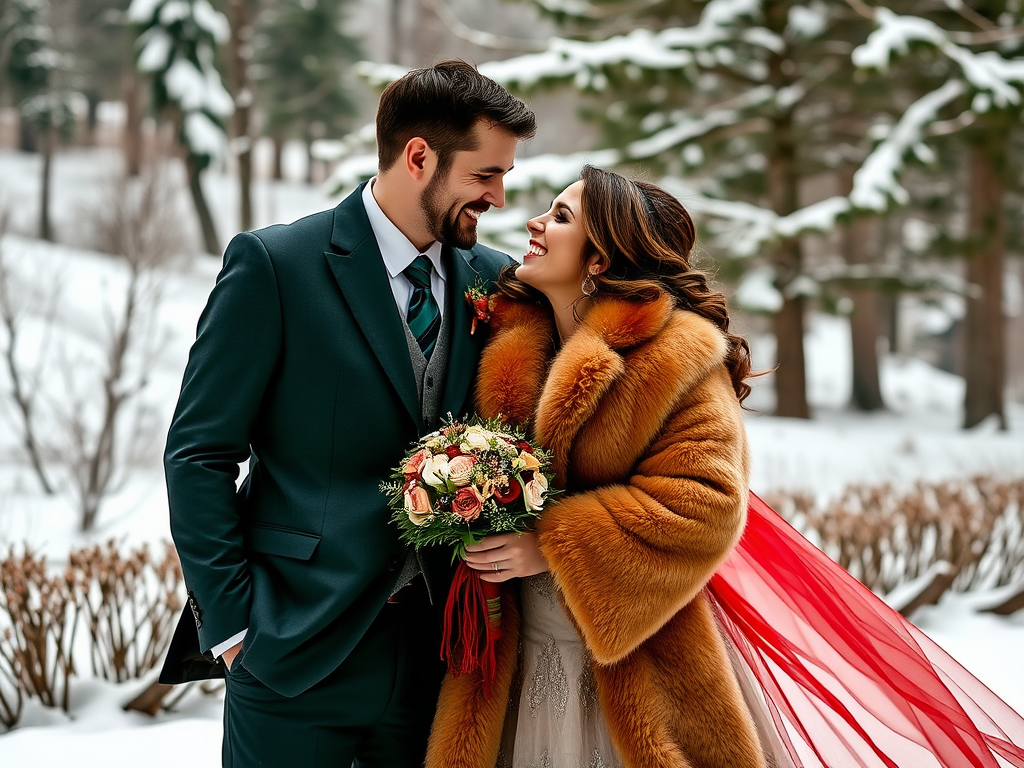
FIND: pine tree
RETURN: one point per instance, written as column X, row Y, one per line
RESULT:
column 302, row 56
column 176, row 46
column 35, row 71
column 976, row 55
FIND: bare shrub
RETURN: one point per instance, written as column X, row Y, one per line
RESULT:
column 136, row 222
column 41, row 613
column 24, row 380
column 11, row 697
column 886, row 538
column 129, row 604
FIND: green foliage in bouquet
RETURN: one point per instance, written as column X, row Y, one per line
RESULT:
column 470, row 479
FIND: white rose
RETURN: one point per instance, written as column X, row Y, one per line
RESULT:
column 475, row 439
column 435, row 471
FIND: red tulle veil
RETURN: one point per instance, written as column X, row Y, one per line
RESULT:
column 846, row 681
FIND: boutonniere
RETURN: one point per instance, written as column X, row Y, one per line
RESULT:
column 478, row 297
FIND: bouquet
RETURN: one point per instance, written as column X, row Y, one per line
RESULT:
column 468, row 480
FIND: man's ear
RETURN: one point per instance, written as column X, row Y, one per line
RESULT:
column 419, row 158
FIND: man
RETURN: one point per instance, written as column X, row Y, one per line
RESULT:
column 326, row 348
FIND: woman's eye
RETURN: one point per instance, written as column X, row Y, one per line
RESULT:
column 560, row 217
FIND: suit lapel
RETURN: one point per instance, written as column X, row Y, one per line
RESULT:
column 359, row 270
column 464, row 349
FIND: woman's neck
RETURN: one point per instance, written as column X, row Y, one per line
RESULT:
column 567, row 315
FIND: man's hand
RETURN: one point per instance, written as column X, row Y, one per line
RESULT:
column 230, row 654
column 508, row 556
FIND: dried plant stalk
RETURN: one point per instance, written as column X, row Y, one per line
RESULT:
column 129, row 603
column 42, row 612
column 886, row 538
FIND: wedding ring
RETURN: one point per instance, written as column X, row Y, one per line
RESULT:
column 494, row 567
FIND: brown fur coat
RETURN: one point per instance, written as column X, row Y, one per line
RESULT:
column 640, row 415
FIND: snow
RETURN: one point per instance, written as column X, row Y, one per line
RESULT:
column 919, row 437
column 196, row 89
column 986, row 71
column 156, row 46
column 204, row 136
column 807, row 21
column 875, row 182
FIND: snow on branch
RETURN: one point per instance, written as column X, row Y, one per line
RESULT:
column 719, row 29
column 986, row 71
column 695, row 128
column 875, row 182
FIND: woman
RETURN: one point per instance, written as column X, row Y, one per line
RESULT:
column 632, row 640
column 617, row 356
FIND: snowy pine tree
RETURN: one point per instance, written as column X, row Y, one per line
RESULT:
column 34, row 71
column 176, row 46
column 752, row 110
column 971, row 59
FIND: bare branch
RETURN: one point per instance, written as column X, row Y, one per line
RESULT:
column 478, row 37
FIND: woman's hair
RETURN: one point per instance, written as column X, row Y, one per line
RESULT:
column 645, row 237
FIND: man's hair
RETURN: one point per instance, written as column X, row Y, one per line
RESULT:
column 441, row 104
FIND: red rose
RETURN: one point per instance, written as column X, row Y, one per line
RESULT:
column 508, row 495
column 468, row 503
column 522, row 445
column 453, row 451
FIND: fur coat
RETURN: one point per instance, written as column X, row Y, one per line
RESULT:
column 640, row 415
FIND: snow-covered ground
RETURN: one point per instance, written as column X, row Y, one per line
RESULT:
column 919, row 437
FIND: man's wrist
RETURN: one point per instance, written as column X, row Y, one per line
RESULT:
column 231, row 642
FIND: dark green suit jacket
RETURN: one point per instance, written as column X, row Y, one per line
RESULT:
column 300, row 367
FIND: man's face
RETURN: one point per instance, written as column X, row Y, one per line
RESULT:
column 452, row 202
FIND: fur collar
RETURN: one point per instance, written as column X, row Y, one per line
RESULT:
column 620, row 374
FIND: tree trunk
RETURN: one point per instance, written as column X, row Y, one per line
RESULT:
column 202, row 209
column 242, row 92
column 984, row 324
column 864, row 321
column 278, row 141
column 131, row 140
column 46, row 146
column 395, row 31
column 782, row 180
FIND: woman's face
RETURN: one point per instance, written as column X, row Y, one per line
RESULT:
column 555, row 263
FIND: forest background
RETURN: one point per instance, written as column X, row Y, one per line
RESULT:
column 855, row 170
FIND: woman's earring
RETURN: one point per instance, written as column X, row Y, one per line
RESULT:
column 589, row 287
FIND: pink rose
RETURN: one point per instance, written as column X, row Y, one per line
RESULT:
column 412, row 466
column 417, row 504
column 468, row 503
column 533, row 492
column 460, row 470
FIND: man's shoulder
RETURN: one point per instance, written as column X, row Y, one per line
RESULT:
column 489, row 260
column 309, row 231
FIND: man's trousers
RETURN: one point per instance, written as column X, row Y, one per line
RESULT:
column 374, row 711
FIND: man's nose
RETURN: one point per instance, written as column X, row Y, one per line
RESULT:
column 496, row 195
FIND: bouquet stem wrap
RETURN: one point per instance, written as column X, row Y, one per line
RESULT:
column 472, row 626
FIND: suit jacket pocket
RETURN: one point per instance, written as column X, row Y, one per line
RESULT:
column 284, row 542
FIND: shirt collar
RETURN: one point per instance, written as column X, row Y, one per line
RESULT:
column 395, row 248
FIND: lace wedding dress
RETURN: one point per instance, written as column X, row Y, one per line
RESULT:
column 554, row 719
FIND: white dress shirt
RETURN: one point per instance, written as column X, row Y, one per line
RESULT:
column 398, row 253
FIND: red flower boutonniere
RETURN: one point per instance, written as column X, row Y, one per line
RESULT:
column 479, row 300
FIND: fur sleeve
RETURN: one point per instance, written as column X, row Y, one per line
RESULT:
column 628, row 556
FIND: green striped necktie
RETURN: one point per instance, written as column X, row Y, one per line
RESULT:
column 423, row 316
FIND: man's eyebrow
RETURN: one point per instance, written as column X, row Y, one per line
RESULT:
column 495, row 169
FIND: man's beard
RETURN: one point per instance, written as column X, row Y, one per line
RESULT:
column 443, row 222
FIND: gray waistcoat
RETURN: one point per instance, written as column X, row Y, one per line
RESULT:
column 429, row 380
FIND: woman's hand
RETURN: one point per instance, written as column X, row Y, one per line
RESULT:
column 508, row 556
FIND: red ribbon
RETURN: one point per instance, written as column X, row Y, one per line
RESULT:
column 472, row 626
